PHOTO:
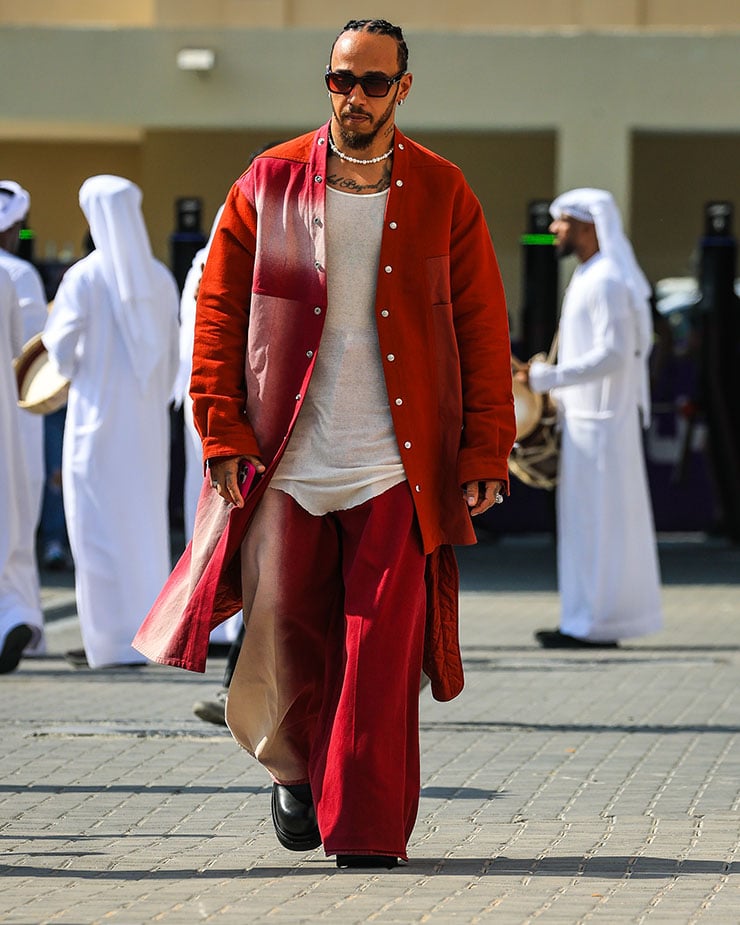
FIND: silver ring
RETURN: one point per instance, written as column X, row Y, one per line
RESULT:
column 499, row 499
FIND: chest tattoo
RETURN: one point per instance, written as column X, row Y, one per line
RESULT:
column 350, row 185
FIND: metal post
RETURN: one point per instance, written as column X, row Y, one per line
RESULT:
column 540, row 285
column 718, row 322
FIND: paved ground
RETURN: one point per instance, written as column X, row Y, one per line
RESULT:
column 570, row 788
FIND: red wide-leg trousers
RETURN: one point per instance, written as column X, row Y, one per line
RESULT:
column 326, row 688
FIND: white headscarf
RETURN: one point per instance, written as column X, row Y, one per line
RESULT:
column 112, row 207
column 597, row 207
column 13, row 208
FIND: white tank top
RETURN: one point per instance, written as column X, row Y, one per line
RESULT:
column 343, row 450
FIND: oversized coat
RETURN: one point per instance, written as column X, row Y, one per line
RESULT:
column 444, row 342
column 607, row 558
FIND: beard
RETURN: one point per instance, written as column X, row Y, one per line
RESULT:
column 565, row 249
column 361, row 141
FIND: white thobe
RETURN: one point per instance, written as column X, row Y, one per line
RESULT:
column 32, row 300
column 228, row 631
column 115, row 461
column 193, row 446
column 20, row 599
column 607, row 559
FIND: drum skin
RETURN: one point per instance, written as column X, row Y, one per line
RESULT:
column 41, row 389
column 527, row 409
column 535, row 454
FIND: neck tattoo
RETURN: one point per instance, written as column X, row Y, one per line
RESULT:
column 358, row 160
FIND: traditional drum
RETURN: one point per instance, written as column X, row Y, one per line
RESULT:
column 41, row 389
column 534, row 456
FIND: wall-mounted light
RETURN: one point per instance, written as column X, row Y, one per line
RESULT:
column 196, row 59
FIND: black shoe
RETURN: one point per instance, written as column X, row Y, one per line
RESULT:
column 554, row 639
column 15, row 642
column 294, row 817
column 366, row 860
column 76, row 658
column 56, row 558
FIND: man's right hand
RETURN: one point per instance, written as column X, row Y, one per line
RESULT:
column 224, row 473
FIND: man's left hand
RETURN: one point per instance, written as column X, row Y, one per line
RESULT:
column 482, row 495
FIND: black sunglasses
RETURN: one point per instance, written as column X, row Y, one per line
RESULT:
column 342, row 82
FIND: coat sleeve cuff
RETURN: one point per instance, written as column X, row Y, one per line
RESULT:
column 473, row 470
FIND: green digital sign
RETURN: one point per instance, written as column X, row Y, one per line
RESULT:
column 537, row 239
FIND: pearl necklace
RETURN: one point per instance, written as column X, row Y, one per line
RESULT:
column 358, row 160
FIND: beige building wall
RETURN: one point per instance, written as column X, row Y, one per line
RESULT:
column 674, row 176
column 425, row 14
column 654, row 117
column 77, row 12
column 53, row 172
column 506, row 171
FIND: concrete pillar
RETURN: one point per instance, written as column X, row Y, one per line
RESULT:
column 596, row 152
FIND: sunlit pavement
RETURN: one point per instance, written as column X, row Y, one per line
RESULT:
column 562, row 786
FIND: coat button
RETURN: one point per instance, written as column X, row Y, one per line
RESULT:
column 393, row 225
column 388, row 269
column 400, row 147
column 399, row 182
column 391, row 357
column 318, row 266
column 399, row 401
column 417, row 487
column 317, row 221
column 318, row 178
column 407, row 444
column 309, row 353
column 385, row 313
column 298, row 397
column 322, row 141
column 317, row 310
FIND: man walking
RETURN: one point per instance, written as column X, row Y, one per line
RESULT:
column 351, row 343
column 15, row 203
column 607, row 560
column 113, row 333
column 21, row 618
column 28, row 480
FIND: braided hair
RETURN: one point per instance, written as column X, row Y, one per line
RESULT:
column 378, row 27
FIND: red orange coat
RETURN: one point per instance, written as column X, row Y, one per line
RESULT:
column 442, row 328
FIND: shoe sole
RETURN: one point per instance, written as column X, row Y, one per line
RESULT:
column 366, row 862
column 558, row 642
column 15, row 642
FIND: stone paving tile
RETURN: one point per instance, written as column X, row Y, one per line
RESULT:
column 571, row 787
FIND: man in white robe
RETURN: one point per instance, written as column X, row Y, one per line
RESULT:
column 229, row 632
column 225, row 633
column 21, row 617
column 607, row 559
column 194, row 473
column 114, row 333
column 15, row 203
